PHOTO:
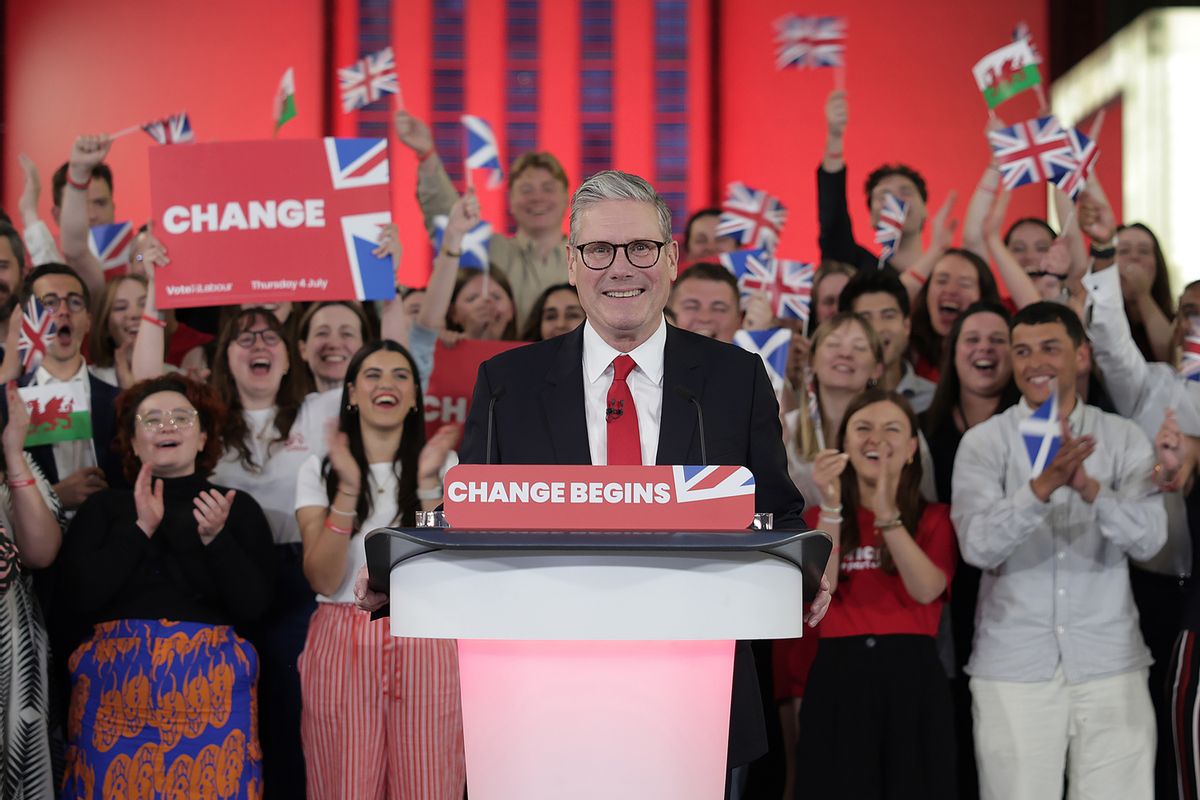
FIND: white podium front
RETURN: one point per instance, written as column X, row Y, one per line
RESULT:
column 596, row 664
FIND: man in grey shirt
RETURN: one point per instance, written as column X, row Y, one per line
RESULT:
column 1058, row 664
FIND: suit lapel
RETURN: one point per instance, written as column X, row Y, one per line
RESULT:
column 678, row 423
column 562, row 403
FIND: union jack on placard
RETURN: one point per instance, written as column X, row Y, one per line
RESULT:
column 890, row 228
column 772, row 346
column 175, row 129
column 1189, row 361
column 37, row 332
column 374, row 276
column 810, row 42
column 1086, row 155
column 752, row 217
column 474, row 246
column 368, row 79
column 111, row 244
column 711, row 483
column 482, row 150
column 357, row 162
column 1034, row 151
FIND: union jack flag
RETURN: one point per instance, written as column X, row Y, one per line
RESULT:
column 1189, row 362
column 482, row 151
column 368, row 79
column 374, row 276
column 1041, row 432
column 772, row 346
column 711, row 483
column 37, row 332
column 175, row 129
column 788, row 284
column 111, row 244
column 1086, row 155
column 890, row 228
column 1034, row 151
column 810, row 42
column 752, row 217
column 357, row 162
column 474, row 243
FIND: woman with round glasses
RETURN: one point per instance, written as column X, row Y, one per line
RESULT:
column 163, row 689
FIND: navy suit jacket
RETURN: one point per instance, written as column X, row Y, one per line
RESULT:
column 540, row 419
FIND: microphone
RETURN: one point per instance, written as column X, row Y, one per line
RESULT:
column 615, row 410
column 687, row 394
column 491, row 419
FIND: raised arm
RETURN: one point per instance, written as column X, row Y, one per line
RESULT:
column 941, row 237
column 394, row 323
column 464, row 215
column 86, row 154
column 149, row 347
column 35, row 529
column 981, row 201
column 435, row 193
column 38, row 239
column 1020, row 286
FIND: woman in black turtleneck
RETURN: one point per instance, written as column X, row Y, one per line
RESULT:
column 163, row 690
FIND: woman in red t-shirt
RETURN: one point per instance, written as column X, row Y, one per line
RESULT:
column 876, row 720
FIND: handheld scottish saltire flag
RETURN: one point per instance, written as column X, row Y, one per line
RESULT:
column 175, row 129
column 1035, row 151
column 812, row 42
column 1189, row 357
column 474, row 243
column 890, row 228
column 1041, row 433
column 482, row 151
column 37, row 332
column 772, row 345
column 58, row 412
column 1086, row 155
column 368, row 79
column 111, row 245
column 1005, row 73
column 752, row 217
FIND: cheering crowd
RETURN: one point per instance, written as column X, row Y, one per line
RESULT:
column 996, row 435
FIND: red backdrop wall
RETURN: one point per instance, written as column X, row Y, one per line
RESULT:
column 72, row 67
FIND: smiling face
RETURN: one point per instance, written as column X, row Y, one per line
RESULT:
column 828, row 293
column 538, row 201
column 882, row 310
column 878, row 434
column 10, row 270
column 384, row 390
column 624, row 303
column 703, row 244
column 709, row 308
column 953, row 286
column 982, row 355
column 1135, row 251
column 71, row 316
column 1029, row 242
column 126, row 314
column 258, row 360
column 1044, row 356
column 167, row 435
column 843, row 359
column 561, row 314
column 482, row 315
column 334, row 335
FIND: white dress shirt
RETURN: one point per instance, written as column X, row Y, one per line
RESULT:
column 645, row 384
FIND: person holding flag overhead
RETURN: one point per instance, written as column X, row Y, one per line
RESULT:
column 535, row 257
column 1051, row 498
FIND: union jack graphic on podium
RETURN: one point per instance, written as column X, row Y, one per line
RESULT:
column 711, row 483
column 1189, row 361
column 1041, row 432
column 810, row 42
column 368, row 79
column 111, row 244
column 1034, row 151
column 1086, row 155
column 175, row 129
column 752, row 217
column 37, row 331
column 357, row 162
column 890, row 228
column 474, row 244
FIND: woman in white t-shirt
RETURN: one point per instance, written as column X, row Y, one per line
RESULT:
column 381, row 715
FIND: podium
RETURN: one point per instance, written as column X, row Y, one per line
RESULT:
column 595, row 663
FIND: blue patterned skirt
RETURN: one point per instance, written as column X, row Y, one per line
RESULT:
column 163, row 709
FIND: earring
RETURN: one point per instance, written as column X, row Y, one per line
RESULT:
column 412, row 410
column 910, row 458
column 351, row 408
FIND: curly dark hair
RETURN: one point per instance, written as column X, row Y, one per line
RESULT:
column 208, row 406
column 904, row 171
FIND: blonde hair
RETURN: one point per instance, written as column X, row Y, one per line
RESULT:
column 806, row 429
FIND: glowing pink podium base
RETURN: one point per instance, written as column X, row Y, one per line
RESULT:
column 602, row 720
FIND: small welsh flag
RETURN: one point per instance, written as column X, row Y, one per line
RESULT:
column 1007, row 72
column 57, row 413
column 285, row 99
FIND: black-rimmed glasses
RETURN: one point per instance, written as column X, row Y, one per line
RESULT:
column 246, row 339
column 641, row 253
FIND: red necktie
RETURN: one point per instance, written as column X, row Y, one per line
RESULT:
column 624, row 443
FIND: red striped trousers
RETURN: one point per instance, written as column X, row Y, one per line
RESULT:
column 382, row 716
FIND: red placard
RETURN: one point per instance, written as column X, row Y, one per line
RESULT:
column 271, row 221
column 452, row 381
column 658, row 498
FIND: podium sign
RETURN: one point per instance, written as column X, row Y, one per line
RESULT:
column 658, row 498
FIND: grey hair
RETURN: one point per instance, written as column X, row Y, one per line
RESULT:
column 613, row 184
